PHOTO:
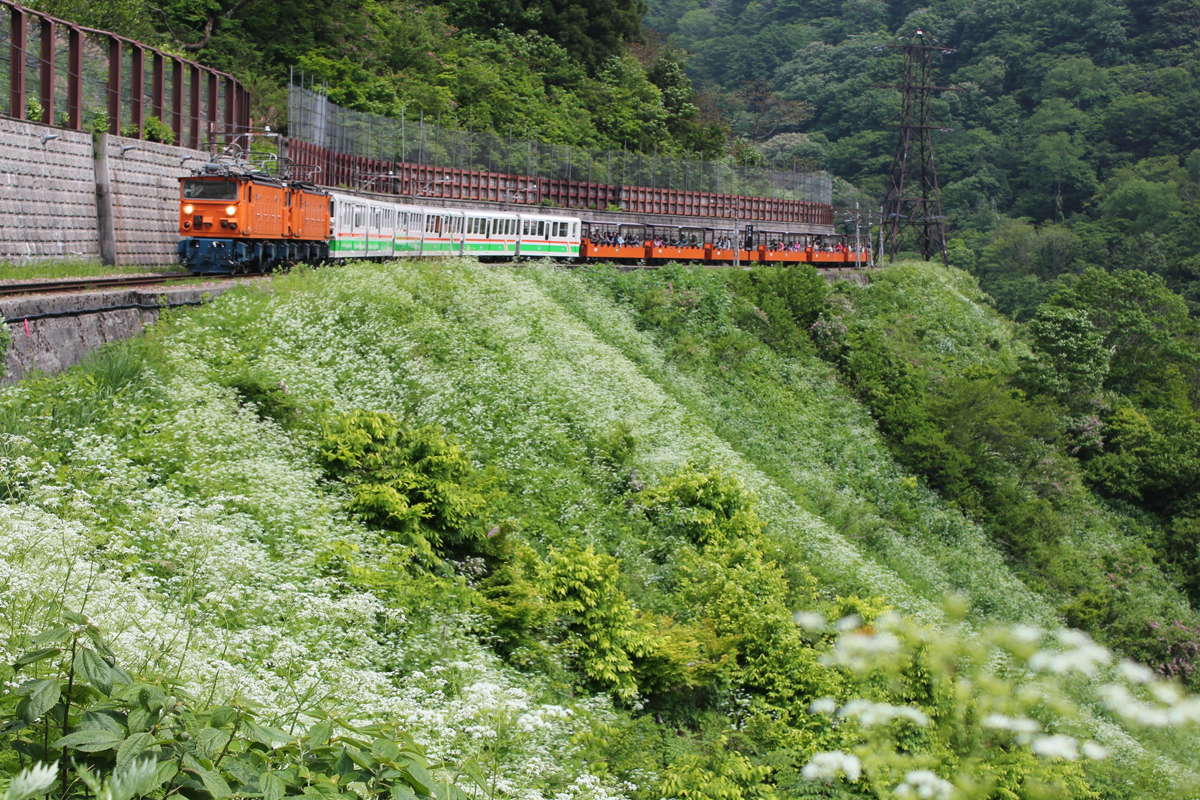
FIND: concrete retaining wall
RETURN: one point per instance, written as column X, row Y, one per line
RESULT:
column 48, row 206
column 47, row 194
column 51, row 345
column 145, row 182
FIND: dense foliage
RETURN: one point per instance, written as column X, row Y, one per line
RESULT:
column 559, row 72
column 435, row 530
column 1071, row 144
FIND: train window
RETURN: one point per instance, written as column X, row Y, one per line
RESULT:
column 199, row 189
column 541, row 230
column 575, row 230
column 358, row 216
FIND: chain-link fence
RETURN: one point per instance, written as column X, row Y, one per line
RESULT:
column 313, row 118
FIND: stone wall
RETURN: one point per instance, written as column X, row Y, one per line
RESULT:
column 48, row 195
column 51, row 345
column 145, row 183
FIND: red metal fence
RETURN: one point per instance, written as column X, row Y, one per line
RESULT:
column 196, row 102
column 419, row 182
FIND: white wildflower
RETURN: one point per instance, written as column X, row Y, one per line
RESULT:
column 870, row 714
column 1056, row 746
column 1135, row 672
column 811, row 621
column 1024, row 727
column 826, row 767
column 924, row 784
column 823, row 705
column 849, row 622
column 1093, row 751
column 1083, row 655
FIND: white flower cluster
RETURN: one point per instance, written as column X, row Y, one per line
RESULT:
column 1080, row 654
column 1170, row 710
column 828, row 767
column 870, row 714
column 864, row 651
column 925, row 785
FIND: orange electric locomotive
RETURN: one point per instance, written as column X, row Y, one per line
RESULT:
column 233, row 220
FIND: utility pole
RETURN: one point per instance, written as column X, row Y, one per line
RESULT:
column 913, row 199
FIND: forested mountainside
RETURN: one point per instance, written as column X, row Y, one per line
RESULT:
column 441, row 530
column 1073, row 142
column 560, row 71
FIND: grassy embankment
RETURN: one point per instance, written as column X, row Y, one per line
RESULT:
column 199, row 495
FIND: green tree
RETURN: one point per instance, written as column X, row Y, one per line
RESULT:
column 1147, row 329
column 1074, row 360
column 1056, row 166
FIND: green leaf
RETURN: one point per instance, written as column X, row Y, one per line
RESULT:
column 273, row 788
column 222, row 716
column 53, row 636
column 212, row 741
column 417, row 776
column 103, row 720
column 344, row 764
column 385, row 750
column 95, row 670
column 139, row 719
column 319, row 734
column 359, row 758
column 75, row 618
column 89, row 741
column 213, row 782
column 36, row 655
column 165, row 772
column 40, row 696
column 262, row 733
column 402, row 791
column 132, row 747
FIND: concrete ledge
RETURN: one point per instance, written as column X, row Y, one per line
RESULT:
column 52, row 345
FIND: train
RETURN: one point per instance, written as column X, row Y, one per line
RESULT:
column 236, row 220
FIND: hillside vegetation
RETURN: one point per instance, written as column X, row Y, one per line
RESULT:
column 1069, row 145
column 436, row 530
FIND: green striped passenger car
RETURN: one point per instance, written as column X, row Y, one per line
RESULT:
column 376, row 227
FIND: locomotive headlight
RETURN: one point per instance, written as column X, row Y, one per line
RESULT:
column 230, row 211
column 189, row 208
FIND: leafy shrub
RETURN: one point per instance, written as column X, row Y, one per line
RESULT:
column 156, row 130
column 270, row 396
column 606, row 632
column 76, row 705
column 701, row 508
column 417, row 484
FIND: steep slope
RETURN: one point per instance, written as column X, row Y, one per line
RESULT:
column 177, row 491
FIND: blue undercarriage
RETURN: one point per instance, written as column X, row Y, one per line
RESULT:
column 233, row 256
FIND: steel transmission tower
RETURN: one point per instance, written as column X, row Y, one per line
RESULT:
column 913, row 199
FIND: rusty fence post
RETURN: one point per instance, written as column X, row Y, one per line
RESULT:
column 230, row 110
column 137, row 90
column 177, row 100
column 46, row 82
column 158, row 86
column 16, row 76
column 193, row 106
column 114, row 85
column 212, row 107
column 74, row 79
